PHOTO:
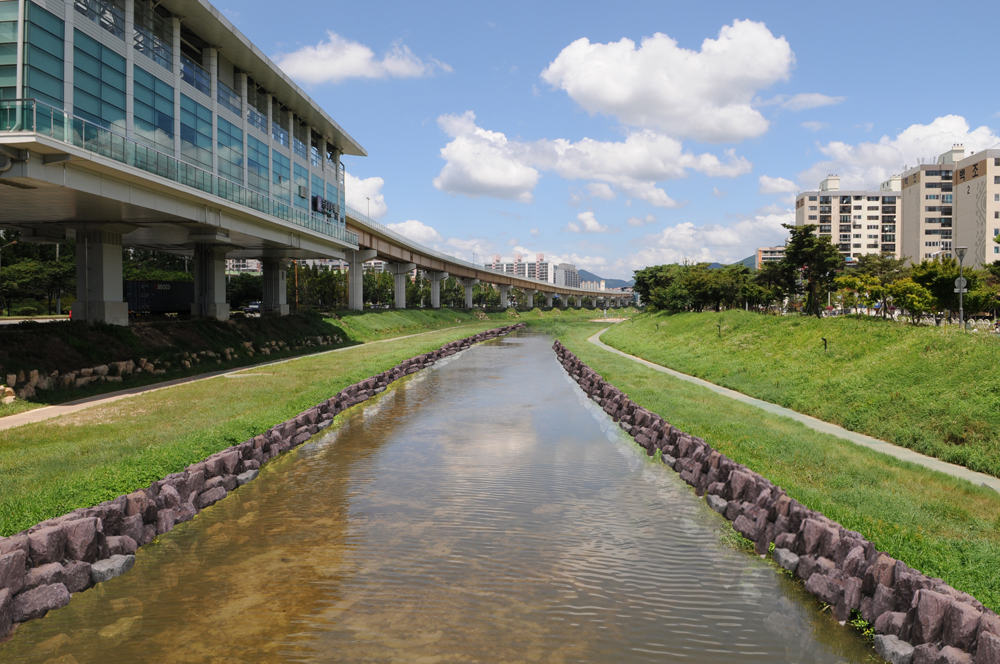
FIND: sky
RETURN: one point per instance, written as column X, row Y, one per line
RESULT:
column 621, row 135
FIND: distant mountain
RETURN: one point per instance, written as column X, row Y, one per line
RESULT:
column 608, row 283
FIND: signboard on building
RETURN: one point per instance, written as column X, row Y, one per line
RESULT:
column 970, row 173
column 911, row 180
column 326, row 207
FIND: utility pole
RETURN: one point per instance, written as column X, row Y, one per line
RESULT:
column 960, row 252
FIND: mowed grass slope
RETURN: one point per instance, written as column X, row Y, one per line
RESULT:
column 943, row 526
column 78, row 460
column 934, row 390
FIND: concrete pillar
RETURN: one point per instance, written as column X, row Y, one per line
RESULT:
column 275, row 288
column 401, row 274
column 355, row 277
column 564, row 300
column 99, row 282
column 579, row 302
column 548, row 300
column 210, row 282
column 436, row 279
column 504, row 295
column 529, row 293
column 469, row 283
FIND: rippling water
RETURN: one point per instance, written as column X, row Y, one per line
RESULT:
column 481, row 511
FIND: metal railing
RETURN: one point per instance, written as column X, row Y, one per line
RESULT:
column 32, row 116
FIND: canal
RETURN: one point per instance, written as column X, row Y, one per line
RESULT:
column 482, row 510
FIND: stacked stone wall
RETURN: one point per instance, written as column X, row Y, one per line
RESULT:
column 917, row 619
column 41, row 567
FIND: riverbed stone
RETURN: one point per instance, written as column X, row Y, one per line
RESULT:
column 121, row 545
column 6, row 611
column 952, row 655
column 77, row 576
column 148, row 534
column 84, row 539
column 960, row 625
column 168, row 497
column 893, row 650
column 717, row 503
column 15, row 543
column 786, row 559
column 165, row 520
column 823, row 587
column 36, row 603
column 185, row 512
column 928, row 622
column 210, row 497
column 132, row 527
column 44, row 575
column 139, row 502
column 247, row 477
column 987, row 648
column 13, row 568
column 890, row 622
column 48, row 545
column 809, row 565
column 884, row 601
column 105, row 570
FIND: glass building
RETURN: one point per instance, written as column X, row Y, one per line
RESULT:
column 158, row 124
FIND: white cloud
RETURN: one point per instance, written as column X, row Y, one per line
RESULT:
column 588, row 224
column 594, row 264
column 535, row 232
column 807, row 100
column 867, row 164
column 769, row 185
column 719, row 193
column 813, row 125
column 483, row 162
column 416, row 231
column 601, row 190
column 339, row 58
column 706, row 94
column 641, row 221
column 512, row 242
column 360, row 193
column 709, row 243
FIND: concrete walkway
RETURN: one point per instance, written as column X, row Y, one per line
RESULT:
column 882, row 446
column 48, row 412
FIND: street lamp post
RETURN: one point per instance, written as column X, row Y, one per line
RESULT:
column 368, row 198
column 9, row 244
column 960, row 252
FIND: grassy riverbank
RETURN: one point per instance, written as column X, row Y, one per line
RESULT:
column 52, row 467
column 933, row 390
column 942, row 526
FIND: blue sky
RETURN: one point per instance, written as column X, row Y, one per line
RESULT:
column 492, row 128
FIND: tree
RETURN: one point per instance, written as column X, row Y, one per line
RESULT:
column 863, row 289
column 913, row 297
column 817, row 261
column 242, row 289
column 887, row 269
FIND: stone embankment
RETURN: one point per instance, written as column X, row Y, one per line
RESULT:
column 41, row 567
column 27, row 385
column 917, row 619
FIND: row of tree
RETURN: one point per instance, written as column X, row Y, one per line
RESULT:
column 813, row 277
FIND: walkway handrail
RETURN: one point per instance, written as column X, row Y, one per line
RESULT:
column 33, row 116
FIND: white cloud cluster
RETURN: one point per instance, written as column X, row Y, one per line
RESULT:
column 707, row 95
column 587, row 224
column 338, row 59
column 867, row 164
column 416, row 231
column 709, row 243
column 641, row 221
column 362, row 194
column 802, row 101
column 769, row 185
column 481, row 162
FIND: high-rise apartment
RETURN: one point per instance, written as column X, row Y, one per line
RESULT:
column 857, row 222
column 977, row 203
column 927, row 207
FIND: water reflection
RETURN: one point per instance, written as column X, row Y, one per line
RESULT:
column 483, row 510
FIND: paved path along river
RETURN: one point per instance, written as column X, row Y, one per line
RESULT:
column 482, row 510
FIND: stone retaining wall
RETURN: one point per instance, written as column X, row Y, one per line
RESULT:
column 917, row 619
column 41, row 567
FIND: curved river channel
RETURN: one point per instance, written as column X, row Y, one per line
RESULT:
column 482, row 510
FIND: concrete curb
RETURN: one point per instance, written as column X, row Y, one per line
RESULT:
column 94, row 544
column 839, row 566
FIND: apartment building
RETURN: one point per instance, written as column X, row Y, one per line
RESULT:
column 768, row 255
column 927, row 207
column 857, row 222
column 977, row 206
column 566, row 275
column 539, row 269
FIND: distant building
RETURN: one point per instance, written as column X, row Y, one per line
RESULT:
column 593, row 285
column 244, row 265
column 566, row 275
column 977, row 199
column 927, row 223
column 865, row 221
column 768, row 255
column 540, row 269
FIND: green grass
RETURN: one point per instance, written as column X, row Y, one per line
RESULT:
column 934, row 390
column 78, row 460
column 940, row 525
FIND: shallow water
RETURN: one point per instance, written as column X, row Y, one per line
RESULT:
column 480, row 511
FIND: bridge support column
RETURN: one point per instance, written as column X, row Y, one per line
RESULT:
column 564, row 300
column 529, row 293
column 579, row 302
column 401, row 274
column 210, row 282
column 504, row 295
column 99, row 284
column 355, row 277
column 275, row 300
column 548, row 300
column 469, row 283
column 436, row 279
